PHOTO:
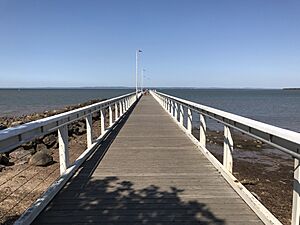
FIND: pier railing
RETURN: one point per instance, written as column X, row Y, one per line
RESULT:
column 282, row 139
column 14, row 137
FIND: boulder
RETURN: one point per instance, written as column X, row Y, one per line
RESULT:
column 41, row 158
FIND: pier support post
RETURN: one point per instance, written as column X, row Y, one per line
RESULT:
column 296, row 194
column 228, row 149
column 202, row 131
column 63, row 148
column 110, row 115
column 89, row 130
column 189, row 120
column 102, row 122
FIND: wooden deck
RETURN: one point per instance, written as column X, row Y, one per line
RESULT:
column 147, row 172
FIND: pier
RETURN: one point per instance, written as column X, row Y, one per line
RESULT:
column 146, row 167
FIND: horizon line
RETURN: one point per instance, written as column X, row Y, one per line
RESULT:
column 159, row 87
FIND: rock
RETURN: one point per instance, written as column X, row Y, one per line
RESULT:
column 4, row 160
column 2, row 126
column 249, row 182
column 50, row 140
column 29, row 145
column 41, row 158
column 16, row 123
column 41, row 147
column 81, row 124
column 258, row 146
column 239, row 146
column 259, row 142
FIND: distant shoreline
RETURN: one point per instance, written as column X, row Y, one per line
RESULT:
column 291, row 89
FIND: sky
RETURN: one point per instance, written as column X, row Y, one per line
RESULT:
column 200, row 43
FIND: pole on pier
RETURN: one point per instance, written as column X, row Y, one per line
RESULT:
column 136, row 71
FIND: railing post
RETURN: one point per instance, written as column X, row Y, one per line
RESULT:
column 116, row 111
column 176, row 110
column 168, row 105
column 63, row 148
column 89, row 130
column 189, row 121
column 102, row 122
column 172, row 108
column 296, row 192
column 120, row 108
column 110, row 115
column 181, row 114
column 228, row 149
column 202, row 131
column 124, row 108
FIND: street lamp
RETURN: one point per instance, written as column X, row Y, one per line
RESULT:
column 142, row 79
column 136, row 71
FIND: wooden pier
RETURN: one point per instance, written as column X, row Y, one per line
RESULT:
column 147, row 171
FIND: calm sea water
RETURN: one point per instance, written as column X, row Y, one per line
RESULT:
column 15, row 102
column 277, row 107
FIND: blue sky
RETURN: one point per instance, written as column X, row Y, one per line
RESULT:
column 201, row 43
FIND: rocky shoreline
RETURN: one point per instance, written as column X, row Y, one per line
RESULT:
column 38, row 151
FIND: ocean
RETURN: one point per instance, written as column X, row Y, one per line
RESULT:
column 277, row 107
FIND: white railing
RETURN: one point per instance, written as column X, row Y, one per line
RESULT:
column 12, row 138
column 282, row 139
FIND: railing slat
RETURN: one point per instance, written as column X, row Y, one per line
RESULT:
column 189, row 120
column 89, row 130
column 63, row 148
column 202, row 131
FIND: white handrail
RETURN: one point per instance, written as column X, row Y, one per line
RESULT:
column 15, row 136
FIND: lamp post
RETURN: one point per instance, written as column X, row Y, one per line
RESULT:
column 142, row 79
column 136, row 71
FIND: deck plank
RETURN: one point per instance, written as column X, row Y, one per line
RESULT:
column 151, row 174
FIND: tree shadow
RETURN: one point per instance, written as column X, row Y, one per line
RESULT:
column 113, row 200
